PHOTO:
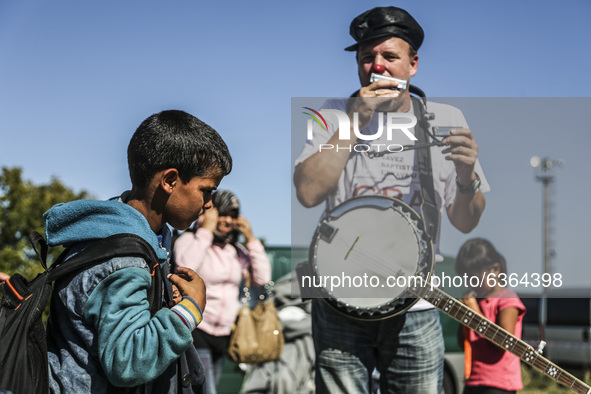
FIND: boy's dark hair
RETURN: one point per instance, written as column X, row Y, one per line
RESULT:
column 478, row 254
column 176, row 139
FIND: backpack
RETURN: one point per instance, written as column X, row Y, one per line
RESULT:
column 24, row 365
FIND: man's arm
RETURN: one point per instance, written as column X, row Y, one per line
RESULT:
column 466, row 210
column 317, row 176
column 464, row 213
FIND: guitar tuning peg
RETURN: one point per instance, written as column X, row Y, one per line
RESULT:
column 541, row 347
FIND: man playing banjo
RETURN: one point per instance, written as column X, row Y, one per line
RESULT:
column 407, row 349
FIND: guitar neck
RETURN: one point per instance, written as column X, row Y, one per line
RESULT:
column 498, row 336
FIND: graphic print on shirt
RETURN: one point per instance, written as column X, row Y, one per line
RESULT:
column 394, row 175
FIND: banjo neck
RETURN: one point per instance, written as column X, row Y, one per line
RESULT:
column 497, row 335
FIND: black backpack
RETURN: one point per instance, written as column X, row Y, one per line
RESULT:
column 23, row 348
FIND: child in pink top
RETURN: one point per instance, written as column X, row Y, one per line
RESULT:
column 493, row 370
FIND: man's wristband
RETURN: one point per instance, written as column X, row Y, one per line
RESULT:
column 472, row 188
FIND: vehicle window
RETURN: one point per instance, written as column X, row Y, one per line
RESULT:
column 569, row 311
column 532, row 306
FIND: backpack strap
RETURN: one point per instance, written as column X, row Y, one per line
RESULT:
column 40, row 246
column 118, row 245
column 166, row 284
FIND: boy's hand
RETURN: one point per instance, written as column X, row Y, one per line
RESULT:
column 176, row 296
column 189, row 284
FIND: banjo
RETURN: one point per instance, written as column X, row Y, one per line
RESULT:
column 372, row 259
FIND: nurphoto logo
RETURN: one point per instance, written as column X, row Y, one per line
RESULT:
column 394, row 122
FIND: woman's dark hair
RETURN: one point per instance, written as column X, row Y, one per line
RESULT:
column 225, row 201
column 176, row 139
column 478, row 254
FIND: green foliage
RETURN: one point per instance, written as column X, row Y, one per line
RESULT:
column 22, row 205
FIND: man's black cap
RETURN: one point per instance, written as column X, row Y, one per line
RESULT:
column 384, row 22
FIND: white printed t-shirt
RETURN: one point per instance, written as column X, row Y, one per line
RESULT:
column 394, row 174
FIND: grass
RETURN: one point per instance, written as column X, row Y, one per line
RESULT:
column 536, row 382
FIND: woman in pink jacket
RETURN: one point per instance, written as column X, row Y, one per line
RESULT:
column 213, row 252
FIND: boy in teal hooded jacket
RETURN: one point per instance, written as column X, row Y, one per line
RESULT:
column 101, row 335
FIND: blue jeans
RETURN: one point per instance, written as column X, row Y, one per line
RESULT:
column 406, row 349
column 213, row 369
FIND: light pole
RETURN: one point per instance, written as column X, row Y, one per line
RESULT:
column 545, row 174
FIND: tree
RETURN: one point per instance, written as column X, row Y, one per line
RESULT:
column 22, row 205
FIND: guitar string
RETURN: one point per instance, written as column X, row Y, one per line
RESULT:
column 365, row 256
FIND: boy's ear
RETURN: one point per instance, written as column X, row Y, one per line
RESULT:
column 169, row 179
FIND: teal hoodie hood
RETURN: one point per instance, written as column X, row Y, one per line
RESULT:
column 87, row 220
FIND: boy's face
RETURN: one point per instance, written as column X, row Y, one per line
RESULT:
column 189, row 200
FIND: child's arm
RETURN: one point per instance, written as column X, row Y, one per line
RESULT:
column 134, row 347
column 471, row 303
column 507, row 318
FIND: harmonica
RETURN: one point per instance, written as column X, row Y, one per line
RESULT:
column 401, row 82
column 443, row 131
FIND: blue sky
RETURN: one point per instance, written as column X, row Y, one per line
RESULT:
column 77, row 78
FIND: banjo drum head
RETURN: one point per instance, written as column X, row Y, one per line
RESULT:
column 366, row 252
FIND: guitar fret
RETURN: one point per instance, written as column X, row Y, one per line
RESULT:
column 482, row 326
column 437, row 297
column 566, row 379
column 447, row 306
column 509, row 342
column 529, row 356
column 468, row 316
column 492, row 338
column 579, row 387
column 475, row 322
column 428, row 293
column 559, row 375
column 551, row 371
column 422, row 290
column 519, row 348
column 459, row 308
column 541, row 364
column 452, row 305
column 435, row 301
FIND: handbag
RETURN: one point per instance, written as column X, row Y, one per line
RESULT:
column 257, row 336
